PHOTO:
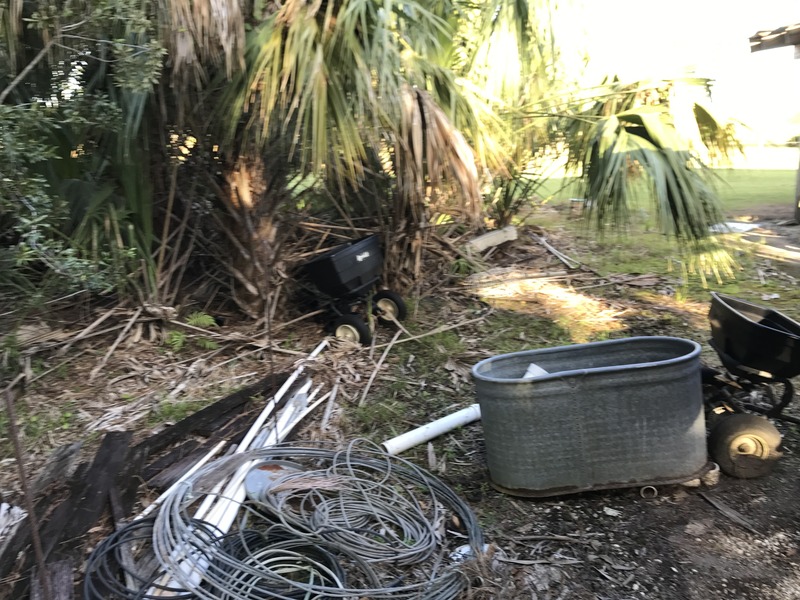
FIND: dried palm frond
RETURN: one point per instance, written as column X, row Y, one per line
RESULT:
column 429, row 152
column 203, row 31
column 10, row 28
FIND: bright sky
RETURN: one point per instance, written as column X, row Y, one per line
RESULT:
column 639, row 39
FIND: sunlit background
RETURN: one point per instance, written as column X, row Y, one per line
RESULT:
column 638, row 39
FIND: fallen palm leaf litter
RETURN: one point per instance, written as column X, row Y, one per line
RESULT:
column 335, row 518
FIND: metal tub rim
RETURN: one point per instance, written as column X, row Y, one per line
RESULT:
column 693, row 350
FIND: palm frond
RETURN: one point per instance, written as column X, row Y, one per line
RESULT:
column 431, row 151
column 718, row 137
column 643, row 146
column 10, row 29
column 201, row 32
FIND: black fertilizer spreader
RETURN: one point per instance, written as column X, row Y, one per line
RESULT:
column 760, row 351
column 345, row 277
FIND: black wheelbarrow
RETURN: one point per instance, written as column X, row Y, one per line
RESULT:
column 344, row 278
column 760, row 350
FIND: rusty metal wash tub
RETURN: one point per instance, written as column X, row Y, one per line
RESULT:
column 607, row 414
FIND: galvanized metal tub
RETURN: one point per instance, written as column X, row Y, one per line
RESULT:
column 607, row 414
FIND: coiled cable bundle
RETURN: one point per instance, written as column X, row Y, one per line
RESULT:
column 349, row 523
column 129, row 552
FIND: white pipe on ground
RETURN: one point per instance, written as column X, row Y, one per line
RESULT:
column 196, row 467
column 425, row 433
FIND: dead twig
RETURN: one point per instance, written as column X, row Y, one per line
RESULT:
column 550, row 538
column 85, row 332
column 326, row 416
column 539, row 561
column 438, row 330
column 24, row 73
column 728, row 512
column 378, row 368
column 13, row 431
column 116, row 343
column 58, row 366
column 570, row 262
column 297, row 320
column 390, row 317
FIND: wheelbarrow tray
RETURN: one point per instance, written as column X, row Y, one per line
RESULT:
column 348, row 270
column 752, row 336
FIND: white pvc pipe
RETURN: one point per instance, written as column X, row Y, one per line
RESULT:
column 224, row 511
column 423, row 434
column 220, row 510
column 216, row 495
column 227, row 505
column 262, row 418
column 196, row 467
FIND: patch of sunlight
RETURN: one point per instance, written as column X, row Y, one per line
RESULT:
column 585, row 318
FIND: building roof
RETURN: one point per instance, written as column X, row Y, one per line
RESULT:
column 777, row 38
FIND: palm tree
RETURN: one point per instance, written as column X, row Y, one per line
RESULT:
column 248, row 106
column 652, row 140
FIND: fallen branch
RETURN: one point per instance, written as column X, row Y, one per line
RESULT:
column 539, row 561
column 728, row 512
column 329, row 408
column 33, row 521
column 24, row 73
column 550, row 538
column 570, row 262
column 116, row 343
column 438, row 330
column 85, row 332
column 378, row 368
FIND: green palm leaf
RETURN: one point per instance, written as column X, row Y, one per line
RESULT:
column 642, row 145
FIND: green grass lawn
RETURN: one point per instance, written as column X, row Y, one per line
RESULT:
column 743, row 188
column 738, row 188
column 642, row 249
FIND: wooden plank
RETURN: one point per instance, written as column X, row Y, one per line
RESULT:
column 71, row 507
column 59, row 466
column 169, row 475
column 234, row 431
column 217, row 421
column 211, row 413
column 66, row 520
column 62, row 582
column 129, row 479
column 17, row 557
column 493, row 238
column 89, row 505
column 172, row 457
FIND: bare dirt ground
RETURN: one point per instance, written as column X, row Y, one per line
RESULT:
column 738, row 539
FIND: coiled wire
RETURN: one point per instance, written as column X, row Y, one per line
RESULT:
column 352, row 523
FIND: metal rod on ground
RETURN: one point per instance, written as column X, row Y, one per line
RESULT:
column 378, row 368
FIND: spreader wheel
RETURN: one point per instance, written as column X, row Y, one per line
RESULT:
column 352, row 328
column 389, row 306
column 744, row 445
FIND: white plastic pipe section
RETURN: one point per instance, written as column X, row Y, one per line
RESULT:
column 219, row 508
column 425, row 433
